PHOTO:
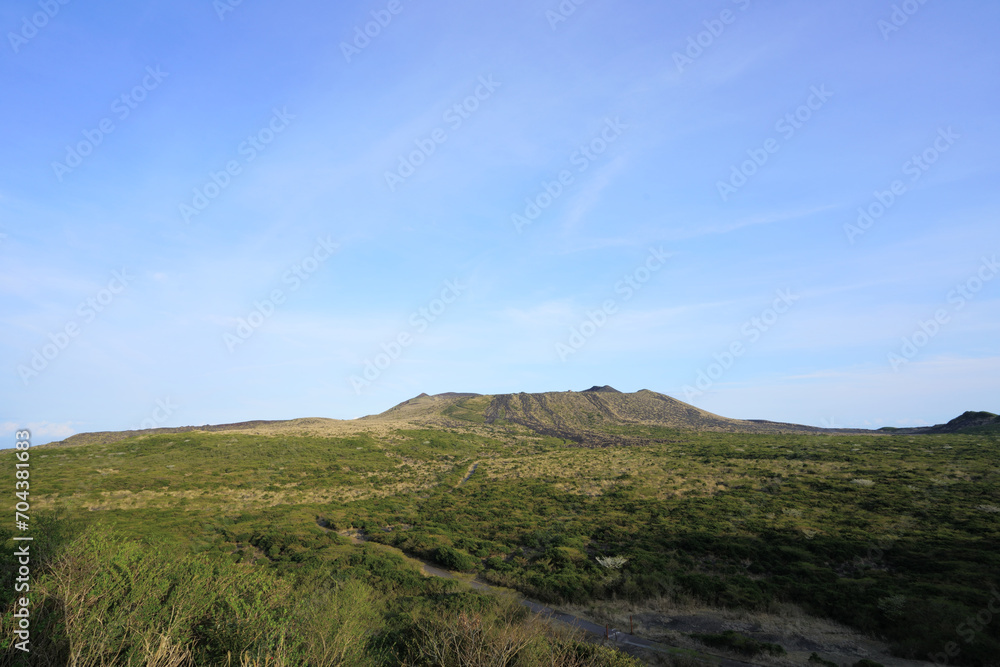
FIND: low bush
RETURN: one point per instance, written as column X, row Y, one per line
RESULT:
column 455, row 559
column 739, row 643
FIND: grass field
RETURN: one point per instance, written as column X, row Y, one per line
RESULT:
column 897, row 537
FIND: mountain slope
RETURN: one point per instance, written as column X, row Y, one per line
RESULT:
column 969, row 422
column 977, row 423
column 599, row 416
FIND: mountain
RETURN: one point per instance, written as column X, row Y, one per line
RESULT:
column 600, row 416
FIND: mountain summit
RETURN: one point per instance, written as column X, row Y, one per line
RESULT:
column 599, row 416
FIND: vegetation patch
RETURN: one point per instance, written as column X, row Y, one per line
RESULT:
column 739, row 643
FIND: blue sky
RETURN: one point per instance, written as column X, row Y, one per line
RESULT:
column 215, row 213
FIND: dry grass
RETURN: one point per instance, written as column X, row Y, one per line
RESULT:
column 235, row 498
column 593, row 472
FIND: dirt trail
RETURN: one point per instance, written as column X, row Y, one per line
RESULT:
column 799, row 644
column 468, row 474
column 614, row 636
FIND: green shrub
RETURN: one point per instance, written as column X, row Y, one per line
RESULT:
column 739, row 643
column 454, row 559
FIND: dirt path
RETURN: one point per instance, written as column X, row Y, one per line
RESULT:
column 614, row 636
column 468, row 474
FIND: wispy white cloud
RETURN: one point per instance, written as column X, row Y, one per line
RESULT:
column 767, row 218
column 590, row 195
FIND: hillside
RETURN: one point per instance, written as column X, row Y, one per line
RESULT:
column 846, row 545
column 982, row 423
column 599, row 416
column 258, row 427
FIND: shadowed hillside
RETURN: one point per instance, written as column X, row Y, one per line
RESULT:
column 982, row 423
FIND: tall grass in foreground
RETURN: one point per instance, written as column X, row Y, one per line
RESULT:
column 504, row 634
column 106, row 601
column 109, row 601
